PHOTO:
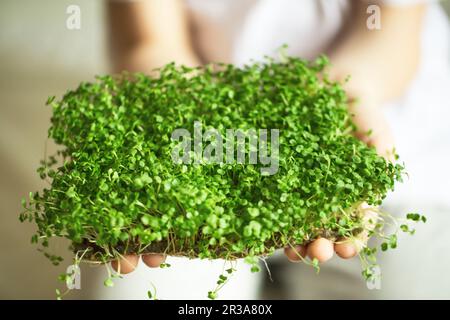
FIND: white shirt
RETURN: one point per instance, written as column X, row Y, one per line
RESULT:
column 237, row 31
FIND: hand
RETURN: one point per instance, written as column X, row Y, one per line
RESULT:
column 128, row 263
column 368, row 117
column 323, row 249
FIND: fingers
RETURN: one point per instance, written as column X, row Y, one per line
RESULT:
column 128, row 263
column 321, row 249
column 153, row 260
column 345, row 249
column 296, row 253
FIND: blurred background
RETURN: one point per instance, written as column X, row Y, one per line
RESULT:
column 40, row 56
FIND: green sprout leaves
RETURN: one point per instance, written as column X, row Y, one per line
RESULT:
column 115, row 189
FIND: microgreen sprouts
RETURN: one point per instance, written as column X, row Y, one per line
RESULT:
column 114, row 189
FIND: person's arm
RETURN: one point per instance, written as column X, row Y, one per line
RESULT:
column 381, row 64
column 144, row 35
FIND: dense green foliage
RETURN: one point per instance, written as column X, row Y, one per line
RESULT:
column 114, row 187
